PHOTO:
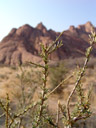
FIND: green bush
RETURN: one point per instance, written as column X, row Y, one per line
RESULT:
column 57, row 74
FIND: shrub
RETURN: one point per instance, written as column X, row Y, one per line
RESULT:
column 37, row 112
column 57, row 74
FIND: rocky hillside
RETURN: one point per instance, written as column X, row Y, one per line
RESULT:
column 22, row 44
column 82, row 31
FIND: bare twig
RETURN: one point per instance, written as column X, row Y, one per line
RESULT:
column 57, row 119
column 2, row 115
column 22, row 113
column 81, row 73
column 48, row 50
column 60, row 84
column 37, row 65
column 7, row 112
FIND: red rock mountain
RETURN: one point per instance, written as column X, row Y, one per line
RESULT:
column 82, row 31
column 22, row 44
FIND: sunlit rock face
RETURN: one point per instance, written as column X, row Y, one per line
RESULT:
column 23, row 44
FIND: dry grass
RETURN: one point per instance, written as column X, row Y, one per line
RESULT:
column 9, row 83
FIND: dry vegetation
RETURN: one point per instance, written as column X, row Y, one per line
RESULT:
column 24, row 85
column 10, row 83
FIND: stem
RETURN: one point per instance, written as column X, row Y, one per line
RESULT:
column 23, row 93
column 20, row 122
column 79, row 79
column 44, row 86
column 60, row 84
column 57, row 119
column 55, row 42
column 7, row 112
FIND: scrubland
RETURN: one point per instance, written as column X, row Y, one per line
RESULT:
column 10, row 82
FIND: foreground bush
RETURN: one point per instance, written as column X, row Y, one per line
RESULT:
column 35, row 114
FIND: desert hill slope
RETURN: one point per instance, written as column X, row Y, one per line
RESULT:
column 22, row 44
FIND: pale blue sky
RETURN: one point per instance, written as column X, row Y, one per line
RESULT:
column 55, row 14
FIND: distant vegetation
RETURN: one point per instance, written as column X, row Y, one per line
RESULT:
column 57, row 74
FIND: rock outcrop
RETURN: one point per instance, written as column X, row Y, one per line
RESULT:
column 22, row 44
column 82, row 31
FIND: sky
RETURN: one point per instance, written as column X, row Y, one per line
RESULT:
column 54, row 14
